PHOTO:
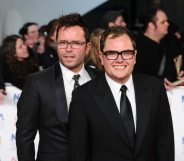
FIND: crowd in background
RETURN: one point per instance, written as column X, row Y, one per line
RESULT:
column 69, row 56
column 160, row 48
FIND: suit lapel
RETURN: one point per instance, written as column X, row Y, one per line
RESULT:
column 91, row 73
column 143, row 97
column 105, row 101
column 61, row 105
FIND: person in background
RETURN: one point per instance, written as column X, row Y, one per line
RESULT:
column 30, row 34
column 93, row 58
column 2, row 86
column 156, row 48
column 41, row 40
column 49, row 55
column 120, row 116
column 114, row 18
column 17, row 64
column 44, row 103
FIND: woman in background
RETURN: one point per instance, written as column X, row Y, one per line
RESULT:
column 29, row 32
column 17, row 62
column 47, row 38
column 93, row 59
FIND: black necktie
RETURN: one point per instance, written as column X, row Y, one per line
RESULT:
column 76, row 79
column 126, row 115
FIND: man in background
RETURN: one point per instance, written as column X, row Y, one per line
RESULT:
column 157, row 48
column 114, row 18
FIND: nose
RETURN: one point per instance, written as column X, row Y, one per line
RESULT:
column 25, row 48
column 119, row 59
column 167, row 23
column 124, row 24
column 68, row 48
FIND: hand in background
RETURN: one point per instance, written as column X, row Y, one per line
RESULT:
column 168, row 85
column 181, row 77
column 2, row 94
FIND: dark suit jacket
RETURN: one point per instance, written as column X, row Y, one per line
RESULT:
column 150, row 53
column 96, row 130
column 42, row 107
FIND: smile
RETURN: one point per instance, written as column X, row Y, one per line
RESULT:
column 119, row 66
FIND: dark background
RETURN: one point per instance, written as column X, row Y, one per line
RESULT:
column 173, row 8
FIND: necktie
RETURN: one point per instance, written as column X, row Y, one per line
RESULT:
column 126, row 115
column 76, row 79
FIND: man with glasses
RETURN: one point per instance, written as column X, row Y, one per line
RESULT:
column 43, row 104
column 120, row 116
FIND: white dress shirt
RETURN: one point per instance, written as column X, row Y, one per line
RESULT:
column 69, row 82
column 115, row 88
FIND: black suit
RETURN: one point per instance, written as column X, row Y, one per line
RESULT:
column 96, row 130
column 42, row 106
column 150, row 53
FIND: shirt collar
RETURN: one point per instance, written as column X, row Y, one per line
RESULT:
column 68, row 74
column 116, row 86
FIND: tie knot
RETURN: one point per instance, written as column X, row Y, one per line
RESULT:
column 76, row 77
column 123, row 88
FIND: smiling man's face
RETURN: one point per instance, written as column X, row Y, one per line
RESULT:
column 119, row 70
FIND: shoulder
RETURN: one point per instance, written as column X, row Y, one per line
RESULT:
column 43, row 76
column 91, row 86
column 93, row 72
column 147, row 80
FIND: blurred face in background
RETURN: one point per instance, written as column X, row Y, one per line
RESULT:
column 118, row 22
column 21, row 50
column 53, row 36
column 32, row 35
column 161, row 24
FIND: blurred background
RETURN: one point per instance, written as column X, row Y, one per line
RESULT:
column 14, row 13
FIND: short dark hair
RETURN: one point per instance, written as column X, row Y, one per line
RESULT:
column 116, row 31
column 112, row 15
column 73, row 19
column 149, row 16
column 24, row 30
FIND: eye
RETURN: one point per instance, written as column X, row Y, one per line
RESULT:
column 128, row 52
column 77, row 43
column 110, row 52
column 62, row 42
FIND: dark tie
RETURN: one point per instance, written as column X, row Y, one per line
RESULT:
column 76, row 79
column 126, row 115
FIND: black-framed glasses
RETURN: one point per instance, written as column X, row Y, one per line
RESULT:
column 125, row 54
column 73, row 44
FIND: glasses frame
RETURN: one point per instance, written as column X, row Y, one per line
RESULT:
column 120, row 53
column 71, row 44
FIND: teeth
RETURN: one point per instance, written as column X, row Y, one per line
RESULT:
column 120, row 67
column 69, row 56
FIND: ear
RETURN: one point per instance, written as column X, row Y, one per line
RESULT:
column 88, row 47
column 101, row 57
column 151, row 25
